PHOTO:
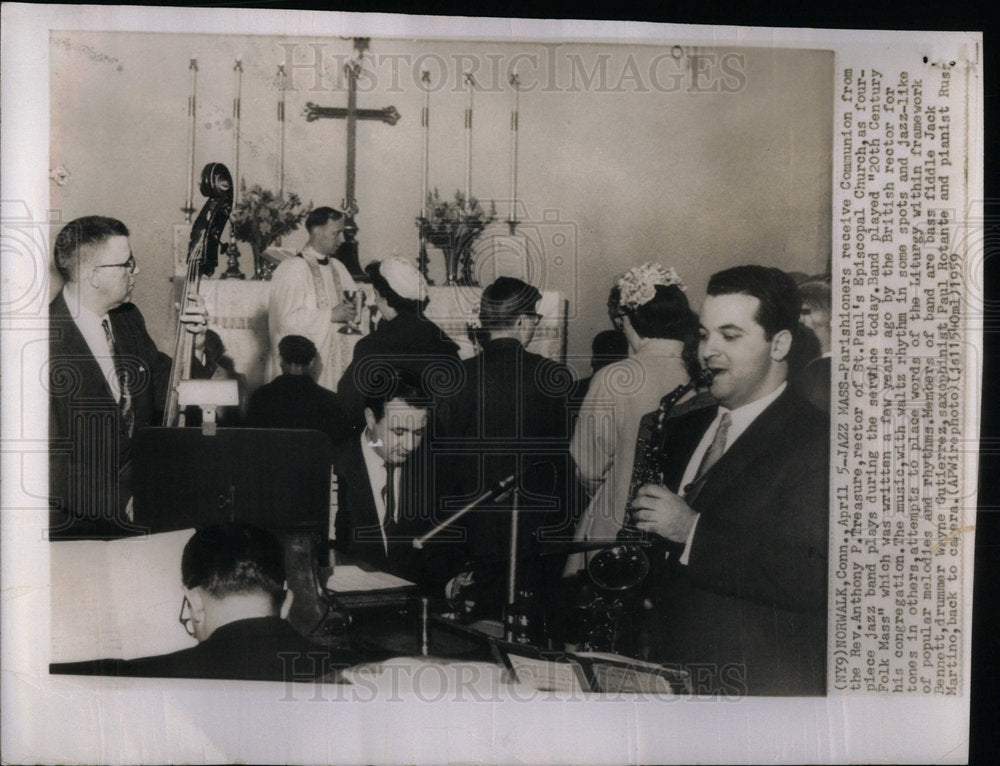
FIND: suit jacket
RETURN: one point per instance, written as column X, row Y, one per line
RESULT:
column 509, row 414
column 257, row 649
column 357, row 524
column 89, row 448
column 812, row 382
column 748, row 612
column 298, row 401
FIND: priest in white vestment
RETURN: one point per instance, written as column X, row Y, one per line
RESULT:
column 307, row 298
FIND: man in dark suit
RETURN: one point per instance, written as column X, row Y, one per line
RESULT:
column 813, row 380
column 235, row 604
column 106, row 379
column 743, row 605
column 383, row 483
column 294, row 399
column 509, row 416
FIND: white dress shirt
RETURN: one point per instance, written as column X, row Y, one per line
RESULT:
column 377, row 474
column 91, row 327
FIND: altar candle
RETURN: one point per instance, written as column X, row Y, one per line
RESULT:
column 515, row 82
column 238, row 68
column 425, row 120
column 470, row 81
column 188, row 209
column 281, row 131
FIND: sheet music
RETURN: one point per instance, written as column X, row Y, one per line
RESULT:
column 352, row 579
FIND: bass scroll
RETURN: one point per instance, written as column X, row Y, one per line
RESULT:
column 203, row 257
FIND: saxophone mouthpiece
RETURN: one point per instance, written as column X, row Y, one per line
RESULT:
column 704, row 378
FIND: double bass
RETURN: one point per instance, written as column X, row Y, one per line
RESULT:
column 202, row 259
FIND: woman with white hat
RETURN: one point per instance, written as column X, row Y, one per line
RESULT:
column 405, row 338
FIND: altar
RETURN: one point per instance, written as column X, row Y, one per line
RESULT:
column 237, row 311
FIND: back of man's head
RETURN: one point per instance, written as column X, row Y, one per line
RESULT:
column 504, row 301
column 76, row 239
column 234, row 559
column 779, row 297
column 607, row 347
column 297, row 350
column 321, row 216
column 815, row 294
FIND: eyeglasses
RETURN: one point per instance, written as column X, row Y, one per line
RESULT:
column 186, row 621
column 535, row 317
column 129, row 264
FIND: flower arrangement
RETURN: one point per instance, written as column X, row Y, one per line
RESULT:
column 261, row 218
column 638, row 286
column 453, row 227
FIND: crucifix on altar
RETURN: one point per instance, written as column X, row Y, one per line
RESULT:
column 347, row 253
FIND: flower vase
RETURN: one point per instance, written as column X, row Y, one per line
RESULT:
column 451, row 260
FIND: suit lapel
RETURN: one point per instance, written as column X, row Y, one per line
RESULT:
column 768, row 430
column 366, row 518
column 680, row 439
column 69, row 347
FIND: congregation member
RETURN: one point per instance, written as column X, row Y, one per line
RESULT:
column 509, row 417
column 813, row 380
column 107, row 379
column 307, row 296
column 294, row 399
column 235, row 604
column 662, row 335
column 745, row 506
column 607, row 347
column 383, row 484
column 405, row 339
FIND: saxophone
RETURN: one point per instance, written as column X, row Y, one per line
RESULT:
column 618, row 570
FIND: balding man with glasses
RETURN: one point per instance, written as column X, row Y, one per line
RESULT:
column 106, row 379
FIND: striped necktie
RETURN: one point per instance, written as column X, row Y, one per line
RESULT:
column 715, row 451
column 121, row 372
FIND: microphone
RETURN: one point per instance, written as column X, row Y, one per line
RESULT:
column 503, row 488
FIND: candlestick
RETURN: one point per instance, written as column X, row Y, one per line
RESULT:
column 188, row 208
column 281, row 131
column 514, row 82
column 425, row 123
column 471, row 83
column 238, row 68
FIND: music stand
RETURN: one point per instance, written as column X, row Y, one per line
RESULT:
column 278, row 479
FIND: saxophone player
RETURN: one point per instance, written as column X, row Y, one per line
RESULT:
column 743, row 607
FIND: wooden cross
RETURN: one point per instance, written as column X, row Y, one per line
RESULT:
column 352, row 114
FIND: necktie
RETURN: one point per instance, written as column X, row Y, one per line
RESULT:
column 389, row 496
column 125, row 394
column 711, row 457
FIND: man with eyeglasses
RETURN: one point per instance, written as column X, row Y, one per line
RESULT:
column 106, row 379
column 509, row 415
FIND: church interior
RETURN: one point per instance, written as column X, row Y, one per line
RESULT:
column 597, row 157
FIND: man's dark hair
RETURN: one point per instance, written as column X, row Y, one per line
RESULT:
column 83, row 232
column 394, row 299
column 504, row 301
column 296, row 349
column 234, row 558
column 321, row 216
column 608, row 346
column 397, row 384
column 779, row 297
column 815, row 293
